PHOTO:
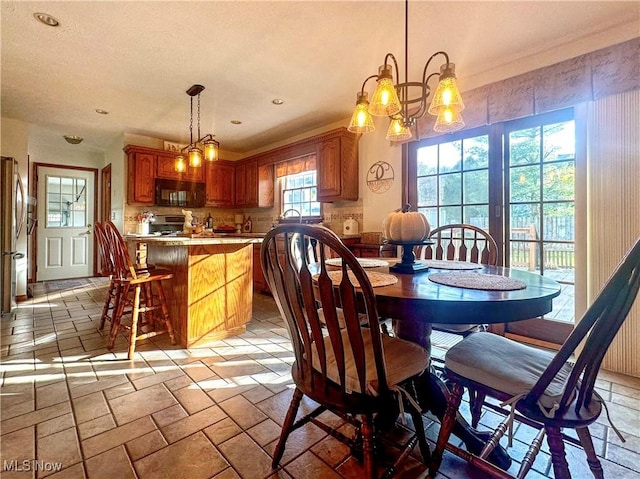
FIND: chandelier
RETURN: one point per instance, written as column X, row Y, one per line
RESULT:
column 204, row 147
column 404, row 107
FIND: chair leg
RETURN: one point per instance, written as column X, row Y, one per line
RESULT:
column 368, row 446
column 476, row 400
column 446, row 426
column 121, row 293
column 556, row 447
column 592, row 459
column 287, row 427
column 107, row 305
column 135, row 314
column 422, row 439
column 165, row 312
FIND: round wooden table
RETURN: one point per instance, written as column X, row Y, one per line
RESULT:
column 416, row 302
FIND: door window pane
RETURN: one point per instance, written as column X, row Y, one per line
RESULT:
column 450, row 189
column 66, row 202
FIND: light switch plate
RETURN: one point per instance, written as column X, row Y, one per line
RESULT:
column 113, row 215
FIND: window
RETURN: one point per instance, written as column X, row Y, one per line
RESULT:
column 299, row 192
column 66, row 202
column 516, row 180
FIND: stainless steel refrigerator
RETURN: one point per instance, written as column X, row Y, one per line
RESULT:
column 12, row 220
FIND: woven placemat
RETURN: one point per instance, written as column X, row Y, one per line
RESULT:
column 443, row 264
column 492, row 282
column 376, row 279
column 364, row 262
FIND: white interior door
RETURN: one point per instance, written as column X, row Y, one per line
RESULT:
column 65, row 223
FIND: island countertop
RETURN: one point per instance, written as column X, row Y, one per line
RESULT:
column 195, row 241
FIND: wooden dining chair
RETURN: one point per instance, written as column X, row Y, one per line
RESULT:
column 551, row 391
column 353, row 371
column 107, row 268
column 138, row 291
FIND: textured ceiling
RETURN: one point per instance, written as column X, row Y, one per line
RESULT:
column 137, row 59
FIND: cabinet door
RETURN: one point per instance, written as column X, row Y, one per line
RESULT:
column 141, row 181
column 241, row 185
column 166, row 168
column 266, row 186
column 247, row 184
column 251, row 172
column 329, row 169
column 220, row 182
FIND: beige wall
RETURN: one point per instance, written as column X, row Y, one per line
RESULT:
column 14, row 143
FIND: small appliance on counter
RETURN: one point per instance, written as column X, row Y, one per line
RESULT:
column 239, row 221
column 350, row 227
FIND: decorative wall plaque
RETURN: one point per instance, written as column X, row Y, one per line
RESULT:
column 380, row 177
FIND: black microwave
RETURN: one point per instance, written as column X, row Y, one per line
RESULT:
column 180, row 193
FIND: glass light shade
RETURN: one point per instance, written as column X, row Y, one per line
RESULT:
column 447, row 94
column 210, row 150
column 448, row 120
column 195, row 156
column 181, row 164
column 385, row 101
column 398, row 131
column 361, row 120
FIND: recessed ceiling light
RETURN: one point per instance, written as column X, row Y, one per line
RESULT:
column 277, row 101
column 101, row 112
column 236, row 122
column 46, row 19
column 73, row 139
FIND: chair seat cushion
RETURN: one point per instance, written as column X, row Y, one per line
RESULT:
column 403, row 360
column 505, row 365
column 456, row 328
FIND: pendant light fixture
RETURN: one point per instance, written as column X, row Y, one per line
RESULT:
column 394, row 100
column 204, row 148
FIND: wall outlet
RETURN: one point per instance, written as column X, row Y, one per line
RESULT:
column 113, row 216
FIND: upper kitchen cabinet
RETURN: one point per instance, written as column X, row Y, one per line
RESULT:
column 220, row 180
column 337, row 165
column 254, row 185
column 141, row 171
column 166, row 168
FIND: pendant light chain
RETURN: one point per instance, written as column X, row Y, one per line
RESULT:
column 191, row 124
column 198, row 115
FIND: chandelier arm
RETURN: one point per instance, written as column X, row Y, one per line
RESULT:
column 365, row 82
column 198, row 115
column 426, row 67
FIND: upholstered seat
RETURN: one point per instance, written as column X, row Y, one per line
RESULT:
column 403, row 360
column 506, row 365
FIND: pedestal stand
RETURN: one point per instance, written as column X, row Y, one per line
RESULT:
column 408, row 264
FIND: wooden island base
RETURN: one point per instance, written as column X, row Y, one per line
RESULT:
column 210, row 295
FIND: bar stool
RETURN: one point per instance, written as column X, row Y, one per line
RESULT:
column 142, row 291
column 107, row 267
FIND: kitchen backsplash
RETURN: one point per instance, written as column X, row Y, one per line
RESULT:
column 334, row 215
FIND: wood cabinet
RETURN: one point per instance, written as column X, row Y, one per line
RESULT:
column 247, row 184
column 220, row 183
column 166, row 168
column 141, row 171
column 259, row 282
column 254, row 185
column 337, row 169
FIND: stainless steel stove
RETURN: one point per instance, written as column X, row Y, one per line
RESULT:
column 167, row 224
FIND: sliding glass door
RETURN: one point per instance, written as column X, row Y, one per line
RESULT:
column 517, row 181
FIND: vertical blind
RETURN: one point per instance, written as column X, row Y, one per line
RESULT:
column 613, row 196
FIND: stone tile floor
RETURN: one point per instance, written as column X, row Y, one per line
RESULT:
column 82, row 411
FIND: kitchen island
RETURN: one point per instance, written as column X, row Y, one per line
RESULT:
column 210, row 295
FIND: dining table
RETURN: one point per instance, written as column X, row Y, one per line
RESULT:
column 471, row 294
